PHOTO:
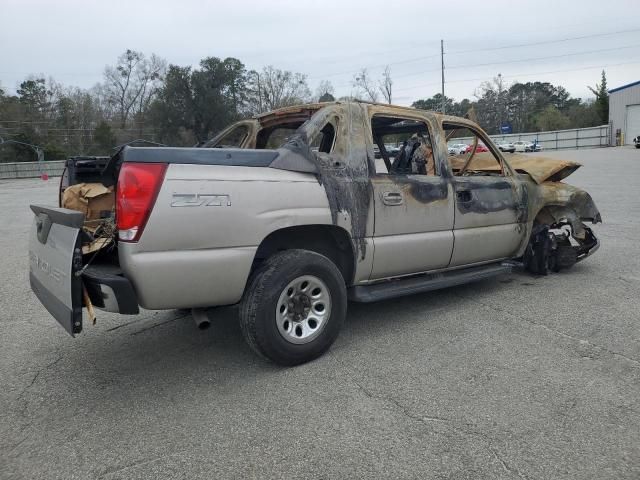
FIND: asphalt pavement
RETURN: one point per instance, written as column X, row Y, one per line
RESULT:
column 519, row 377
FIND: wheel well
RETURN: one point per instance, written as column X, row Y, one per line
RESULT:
column 544, row 216
column 328, row 240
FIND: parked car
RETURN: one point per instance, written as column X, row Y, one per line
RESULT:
column 506, row 147
column 290, row 234
column 520, row 146
column 479, row 148
column 391, row 149
column 457, row 148
column 533, row 147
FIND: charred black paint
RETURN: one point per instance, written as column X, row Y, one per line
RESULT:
column 487, row 195
column 423, row 189
column 348, row 189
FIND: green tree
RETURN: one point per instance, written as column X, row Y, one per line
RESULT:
column 551, row 119
column 195, row 104
column 583, row 115
column 53, row 151
column 35, row 95
column 458, row 109
column 602, row 98
column 218, row 95
column 103, row 138
column 172, row 113
column 434, row 103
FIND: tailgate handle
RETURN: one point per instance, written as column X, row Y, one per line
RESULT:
column 43, row 226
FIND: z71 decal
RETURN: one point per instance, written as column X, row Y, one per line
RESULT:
column 200, row 200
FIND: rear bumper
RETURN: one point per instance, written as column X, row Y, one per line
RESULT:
column 109, row 290
column 187, row 278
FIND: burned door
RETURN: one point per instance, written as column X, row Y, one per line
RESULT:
column 490, row 208
column 413, row 199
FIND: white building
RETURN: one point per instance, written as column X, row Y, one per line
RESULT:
column 624, row 111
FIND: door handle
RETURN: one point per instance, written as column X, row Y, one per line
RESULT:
column 464, row 196
column 392, row 198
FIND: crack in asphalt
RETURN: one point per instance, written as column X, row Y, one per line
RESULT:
column 121, row 468
column 35, row 377
column 505, row 465
column 126, row 324
column 430, row 419
column 160, row 324
column 25, row 401
column 16, row 445
column 553, row 330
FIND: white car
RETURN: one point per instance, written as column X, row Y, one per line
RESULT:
column 521, row 146
column 531, row 148
column 505, row 146
column 527, row 147
column 457, row 148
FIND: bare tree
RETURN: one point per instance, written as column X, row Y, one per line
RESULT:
column 150, row 74
column 364, row 85
column 119, row 80
column 386, row 84
column 492, row 102
column 129, row 85
column 274, row 88
column 325, row 92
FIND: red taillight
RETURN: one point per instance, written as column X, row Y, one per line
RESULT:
column 138, row 186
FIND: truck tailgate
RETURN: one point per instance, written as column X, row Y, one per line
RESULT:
column 54, row 259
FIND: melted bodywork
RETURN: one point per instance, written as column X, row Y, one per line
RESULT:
column 524, row 191
column 308, row 177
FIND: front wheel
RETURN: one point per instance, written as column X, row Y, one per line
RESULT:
column 293, row 307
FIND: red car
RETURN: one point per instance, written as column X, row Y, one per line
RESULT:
column 479, row 149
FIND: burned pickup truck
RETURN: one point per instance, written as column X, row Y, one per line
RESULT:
column 291, row 215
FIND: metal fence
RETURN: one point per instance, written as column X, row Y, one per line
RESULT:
column 52, row 168
column 555, row 140
column 558, row 139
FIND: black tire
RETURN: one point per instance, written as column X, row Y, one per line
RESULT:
column 258, row 306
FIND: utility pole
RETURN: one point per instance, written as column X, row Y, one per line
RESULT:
column 259, row 92
column 442, row 65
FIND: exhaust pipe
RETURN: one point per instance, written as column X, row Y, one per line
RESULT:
column 200, row 317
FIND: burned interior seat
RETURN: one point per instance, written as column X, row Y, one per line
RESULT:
column 402, row 162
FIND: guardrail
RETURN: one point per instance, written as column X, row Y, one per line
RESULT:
column 52, row 168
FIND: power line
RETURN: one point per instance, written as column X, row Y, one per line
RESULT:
column 544, row 58
column 514, row 75
column 503, row 47
column 522, row 60
column 545, row 42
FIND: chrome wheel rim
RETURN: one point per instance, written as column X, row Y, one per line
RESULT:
column 303, row 309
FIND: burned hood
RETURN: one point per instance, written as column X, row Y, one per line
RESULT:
column 540, row 169
column 543, row 169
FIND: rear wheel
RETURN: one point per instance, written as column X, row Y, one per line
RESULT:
column 293, row 307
